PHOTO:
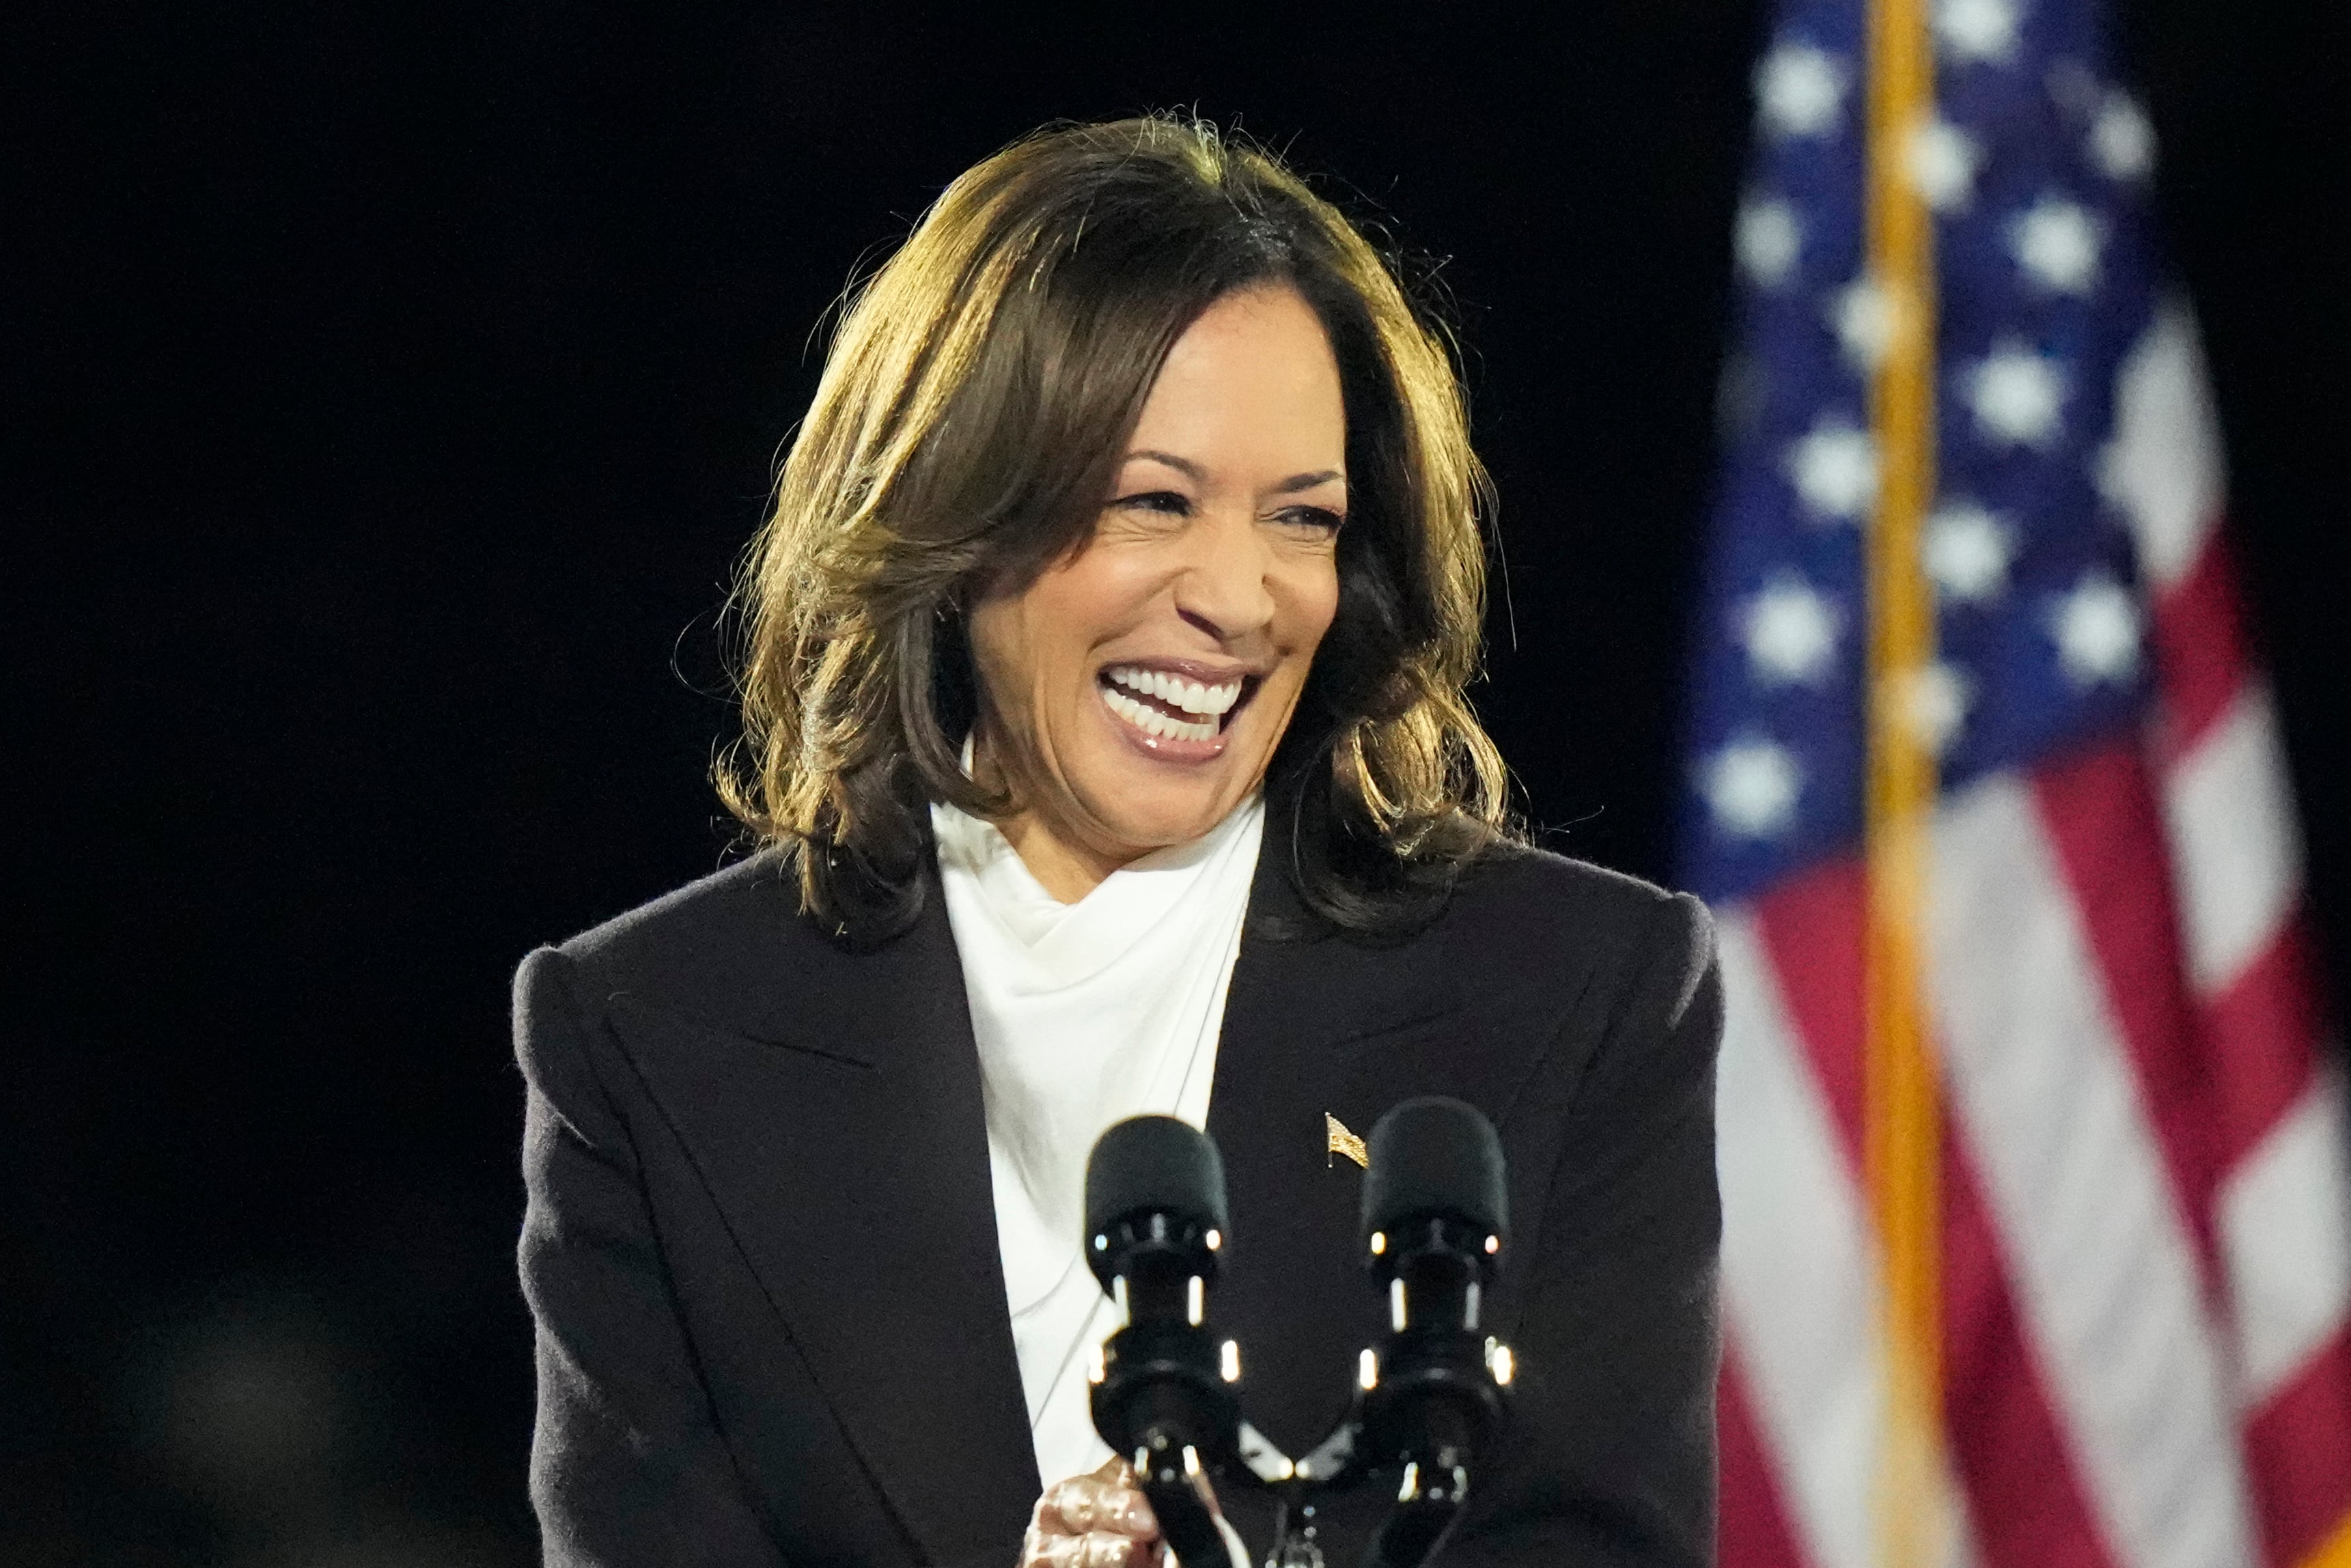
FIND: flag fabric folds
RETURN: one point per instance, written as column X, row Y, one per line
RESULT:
column 2140, row 1247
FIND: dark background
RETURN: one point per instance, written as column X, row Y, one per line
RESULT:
column 391, row 390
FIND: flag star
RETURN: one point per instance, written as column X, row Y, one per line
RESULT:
column 1932, row 702
column 1790, row 632
column 1799, row 90
column 1752, row 786
column 1966, row 552
column 2122, row 142
column 2056, row 243
column 1768, row 240
column 1977, row 29
column 2096, row 626
column 1835, row 469
column 2016, row 396
column 1866, row 315
column 1942, row 164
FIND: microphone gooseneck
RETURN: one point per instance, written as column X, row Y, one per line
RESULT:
column 1162, row 1394
column 1436, row 1218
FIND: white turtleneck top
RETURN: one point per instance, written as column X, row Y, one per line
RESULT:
column 1085, row 1014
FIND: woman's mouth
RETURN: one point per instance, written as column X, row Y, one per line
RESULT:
column 1164, row 705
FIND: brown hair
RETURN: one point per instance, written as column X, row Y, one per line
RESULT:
column 966, row 432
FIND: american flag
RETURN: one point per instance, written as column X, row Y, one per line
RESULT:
column 2123, row 1317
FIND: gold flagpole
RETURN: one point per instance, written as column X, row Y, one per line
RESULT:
column 1904, row 1137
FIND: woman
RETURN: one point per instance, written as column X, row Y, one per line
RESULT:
column 1104, row 731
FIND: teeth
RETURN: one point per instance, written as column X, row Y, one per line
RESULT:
column 1210, row 702
column 1151, row 721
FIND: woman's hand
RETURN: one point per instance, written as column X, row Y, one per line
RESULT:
column 1099, row 1520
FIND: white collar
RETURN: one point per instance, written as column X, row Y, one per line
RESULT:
column 1066, row 943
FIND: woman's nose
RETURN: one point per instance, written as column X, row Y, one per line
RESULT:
column 1224, row 586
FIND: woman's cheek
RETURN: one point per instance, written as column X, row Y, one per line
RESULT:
column 1317, row 602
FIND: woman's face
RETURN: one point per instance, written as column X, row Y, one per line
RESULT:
column 1134, row 693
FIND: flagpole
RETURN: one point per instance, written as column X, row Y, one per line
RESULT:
column 1903, row 1126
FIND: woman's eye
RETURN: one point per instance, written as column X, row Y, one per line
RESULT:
column 1163, row 501
column 1312, row 520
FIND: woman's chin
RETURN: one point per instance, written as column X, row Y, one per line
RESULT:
column 1146, row 814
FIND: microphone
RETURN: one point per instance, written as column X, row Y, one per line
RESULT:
column 1436, row 1216
column 1162, row 1392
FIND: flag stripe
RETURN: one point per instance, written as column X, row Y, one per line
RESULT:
column 2264, row 1040
column 1798, row 1275
column 2105, row 1269
column 1753, row 1517
column 2163, row 469
column 2098, row 811
column 2299, row 1445
column 2200, row 655
column 2004, row 1439
column 1811, row 927
column 1798, row 1269
column 2288, row 1241
column 2276, row 1122
column 2234, row 840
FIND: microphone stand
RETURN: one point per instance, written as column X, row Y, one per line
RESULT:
column 1430, row 1399
column 1434, row 1486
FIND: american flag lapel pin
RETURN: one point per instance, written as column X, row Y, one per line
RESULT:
column 1339, row 1141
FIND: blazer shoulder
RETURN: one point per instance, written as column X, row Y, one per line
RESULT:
column 1529, row 888
column 1559, row 918
column 700, row 936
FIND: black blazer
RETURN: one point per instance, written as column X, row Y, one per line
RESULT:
column 760, row 1244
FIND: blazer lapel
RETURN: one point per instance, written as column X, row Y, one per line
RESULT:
column 838, row 1127
column 1314, row 1027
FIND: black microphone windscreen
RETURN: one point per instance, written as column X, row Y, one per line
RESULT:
column 1154, row 1162
column 1435, row 1155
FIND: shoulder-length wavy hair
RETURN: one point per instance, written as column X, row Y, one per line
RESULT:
column 966, row 433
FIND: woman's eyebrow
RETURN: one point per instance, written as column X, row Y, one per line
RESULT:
column 1183, row 466
column 1198, row 475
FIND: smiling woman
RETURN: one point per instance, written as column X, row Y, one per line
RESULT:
column 1132, row 692
column 1143, row 314
column 1105, row 736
